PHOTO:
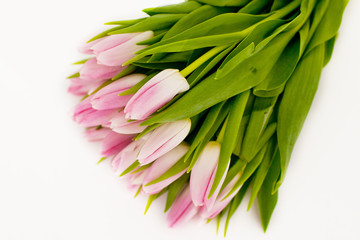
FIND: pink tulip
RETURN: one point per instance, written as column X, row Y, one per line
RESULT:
column 92, row 71
column 127, row 156
column 117, row 49
column 135, row 180
column 155, row 93
column 221, row 202
column 95, row 134
column 163, row 139
column 120, row 124
column 182, row 209
column 108, row 97
column 161, row 166
column 113, row 143
column 203, row 174
column 86, row 116
column 86, row 48
column 81, row 87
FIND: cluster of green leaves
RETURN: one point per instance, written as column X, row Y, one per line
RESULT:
column 254, row 69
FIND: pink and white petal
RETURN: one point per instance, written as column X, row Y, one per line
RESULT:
column 86, row 47
column 114, row 143
column 163, row 139
column 111, row 41
column 95, row 134
column 202, row 171
column 92, row 71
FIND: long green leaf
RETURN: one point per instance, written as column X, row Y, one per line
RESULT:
column 184, row 7
column 295, row 104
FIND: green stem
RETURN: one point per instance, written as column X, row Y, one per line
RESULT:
column 198, row 62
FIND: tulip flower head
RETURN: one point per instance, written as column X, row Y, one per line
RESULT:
column 203, row 174
column 122, row 125
column 108, row 97
column 163, row 139
column 113, row 143
column 161, row 166
column 158, row 91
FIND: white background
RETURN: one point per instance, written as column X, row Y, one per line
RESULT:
column 51, row 187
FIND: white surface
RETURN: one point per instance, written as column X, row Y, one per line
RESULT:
column 51, row 187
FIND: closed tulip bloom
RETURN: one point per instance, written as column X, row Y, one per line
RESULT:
column 155, row 93
column 81, row 87
column 163, row 139
column 182, row 209
column 135, row 180
column 127, row 156
column 122, row 125
column 203, row 174
column 117, row 49
column 86, row 47
column 113, row 143
column 108, row 97
column 92, row 71
column 161, row 166
column 95, row 134
column 86, row 116
column 221, row 202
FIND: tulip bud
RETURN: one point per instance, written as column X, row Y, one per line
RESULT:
column 155, row 93
column 182, row 209
column 203, row 174
column 95, row 134
column 92, row 71
column 221, row 202
column 127, row 156
column 161, row 166
column 114, row 143
column 108, row 97
column 117, row 49
column 163, row 139
column 121, row 125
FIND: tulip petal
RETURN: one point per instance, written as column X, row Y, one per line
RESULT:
column 114, row 143
column 95, row 134
column 111, row 42
column 121, row 125
column 163, row 139
column 202, row 172
column 108, row 97
column 92, row 71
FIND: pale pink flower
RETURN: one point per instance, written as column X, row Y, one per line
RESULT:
column 86, row 47
column 113, row 143
column 94, row 134
column 81, row 87
column 182, row 209
column 117, row 49
column 221, row 201
column 108, row 97
column 122, row 125
column 92, row 71
column 203, row 174
column 127, row 156
column 161, row 166
column 86, row 116
column 155, row 93
column 163, row 139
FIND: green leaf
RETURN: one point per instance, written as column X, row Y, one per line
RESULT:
column 329, row 48
column 228, row 144
column 211, row 90
column 153, row 40
column 130, row 168
column 185, row 7
column 295, row 104
column 262, row 171
column 281, row 72
column 205, row 128
column 255, row 7
column 157, row 22
column 125, row 23
column 225, row 3
column 266, row 198
column 262, row 110
column 124, row 72
column 174, row 189
column 105, row 33
column 75, row 75
column 248, row 171
column 277, row 4
column 235, row 203
column 152, row 198
column 81, row 61
column 329, row 24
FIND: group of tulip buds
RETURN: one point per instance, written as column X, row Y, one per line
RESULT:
column 204, row 98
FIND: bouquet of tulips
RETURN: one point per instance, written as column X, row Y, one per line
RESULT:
column 204, row 100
